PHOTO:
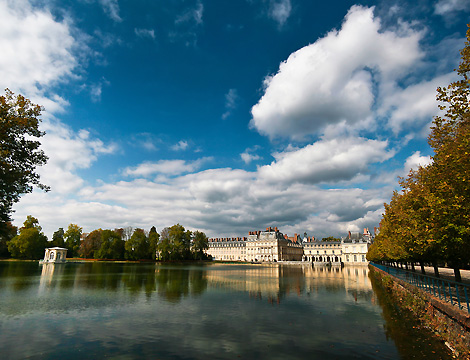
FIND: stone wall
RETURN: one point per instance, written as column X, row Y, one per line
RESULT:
column 446, row 320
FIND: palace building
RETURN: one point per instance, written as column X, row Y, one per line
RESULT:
column 272, row 246
column 260, row 246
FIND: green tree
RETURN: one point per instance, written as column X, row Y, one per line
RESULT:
column 72, row 239
column 430, row 220
column 137, row 247
column 30, row 243
column 112, row 246
column 90, row 245
column 58, row 238
column 330, row 238
column 450, row 173
column 200, row 243
column 154, row 238
column 20, row 152
column 180, row 239
column 7, row 233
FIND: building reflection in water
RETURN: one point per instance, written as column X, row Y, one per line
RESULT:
column 274, row 282
column 48, row 273
column 269, row 283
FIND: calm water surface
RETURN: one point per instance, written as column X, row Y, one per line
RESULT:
column 213, row 311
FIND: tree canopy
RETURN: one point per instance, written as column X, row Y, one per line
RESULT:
column 429, row 220
column 19, row 150
column 30, row 242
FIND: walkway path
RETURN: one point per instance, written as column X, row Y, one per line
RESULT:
column 447, row 273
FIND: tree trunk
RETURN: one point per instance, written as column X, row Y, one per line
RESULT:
column 422, row 267
column 413, row 266
column 458, row 277
column 436, row 270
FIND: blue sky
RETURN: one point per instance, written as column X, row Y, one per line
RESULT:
column 228, row 116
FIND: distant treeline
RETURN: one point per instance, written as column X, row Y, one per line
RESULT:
column 173, row 243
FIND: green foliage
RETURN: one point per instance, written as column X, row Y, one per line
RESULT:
column 177, row 243
column 154, row 238
column 137, row 247
column 72, row 240
column 200, row 243
column 330, row 238
column 7, row 233
column 58, row 238
column 20, row 153
column 30, row 243
column 112, row 246
column 90, row 245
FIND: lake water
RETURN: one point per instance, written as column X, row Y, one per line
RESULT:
column 211, row 311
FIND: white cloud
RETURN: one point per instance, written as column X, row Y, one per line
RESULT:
column 325, row 161
column 333, row 80
column 414, row 105
column 338, row 81
column 280, row 10
column 37, row 51
column 67, row 152
column 192, row 15
column 165, row 167
column 231, row 98
column 180, row 146
column 187, row 25
column 145, row 33
column 415, row 161
column 444, row 7
column 248, row 158
column 111, row 8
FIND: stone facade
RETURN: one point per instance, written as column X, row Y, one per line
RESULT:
column 260, row 246
column 355, row 247
column 55, row 255
column 272, row 246
column 323, row 251
column 231, row 249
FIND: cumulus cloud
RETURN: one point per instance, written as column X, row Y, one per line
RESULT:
column 415, row 161
column 37, row 51
column 414, row 105
column 181, row 145
column 280, row 10
column 68, row 151
column 326, row 161
column 166, row 167
column 333, row 80
column 248, row 158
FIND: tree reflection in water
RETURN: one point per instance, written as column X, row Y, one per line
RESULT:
column 401, row 325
